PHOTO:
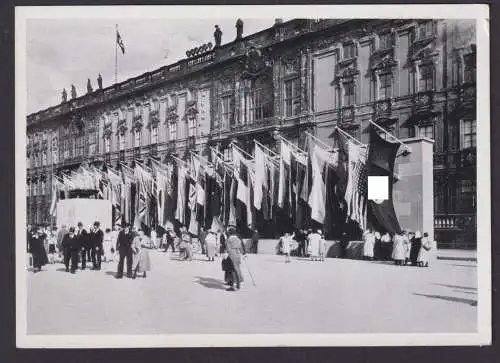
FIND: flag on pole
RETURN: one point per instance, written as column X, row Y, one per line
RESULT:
column 119, row 41
column 180, row 212
column 356, row 194
column 284, row 173
column 381, row 159
column 260, row 176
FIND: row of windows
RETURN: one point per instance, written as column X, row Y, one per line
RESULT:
column 38, row 188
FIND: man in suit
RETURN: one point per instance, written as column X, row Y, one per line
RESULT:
column 96, row 241
column 124, row 247
column 83, row 242
column 70, row 248
column 234, row 249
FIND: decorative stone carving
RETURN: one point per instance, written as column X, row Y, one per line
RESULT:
column 254, row 64
column 239, row 29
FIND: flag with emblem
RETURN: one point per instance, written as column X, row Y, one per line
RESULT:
column 356, row 194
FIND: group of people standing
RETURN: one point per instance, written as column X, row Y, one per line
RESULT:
column 404, row 248
column 307, row 243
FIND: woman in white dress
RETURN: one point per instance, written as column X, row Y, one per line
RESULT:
column 285, row 242
column 313, row 242
column 211, row 244
column 399, row 250
column 141, row 261
column 107, row 245
column 425, row 251
column 369, row 245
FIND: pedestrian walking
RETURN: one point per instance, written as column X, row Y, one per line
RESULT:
column 63, row 231
column 201, row 238
column 322, row 246
column 52, row 241
column 84, row 244
column 154, row 239
column 142, row 263
column 234, row 249
column 386, row 243
column 169, row 239
column 211, row 244
column 37, row 250
column 124, row 247
column 344, row 244
column 255, row 242
column 70, row 247
column 96, row 237
column 186, row 252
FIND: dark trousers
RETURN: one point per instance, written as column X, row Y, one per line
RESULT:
column 85, row 257
column 74, row 260
column 255, row 246
column 67, row 258
column 97, row 257
column 128, row 255
column 170, row 243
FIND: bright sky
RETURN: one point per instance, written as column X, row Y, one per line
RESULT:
column 65, row 52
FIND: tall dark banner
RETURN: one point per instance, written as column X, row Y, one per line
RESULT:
column 381, row 158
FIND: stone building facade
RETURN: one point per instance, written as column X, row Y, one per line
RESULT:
column 415, row 78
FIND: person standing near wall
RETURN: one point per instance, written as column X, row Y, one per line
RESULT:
column 83, row 241
column 255, row 241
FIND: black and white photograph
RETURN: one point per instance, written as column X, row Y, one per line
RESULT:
column 252, row 176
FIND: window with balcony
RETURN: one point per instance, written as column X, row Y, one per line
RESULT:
column 456, row 72
column 65, row 149
column 426, row 82
column 154, row 134
column 292, row 97
column 35, row 188
column 470, row 68
column 426, row 131
column 425, row 30
column 107, row 145
column 162, row 111
column 468, row 134
column 130, row 115
column 466, row 196
column 385, row 90
column 227, row 111
column 55, row 156
column 137, row 138
column 42, row 187
column 172, row 129
column 44, row 158
column 349, row 94
column 385, row 41
column 79, row 145
column 192, row 125
column 349, row 51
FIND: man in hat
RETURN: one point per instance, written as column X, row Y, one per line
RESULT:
column 124, row 247
column 70, row 248
column 83, row 243
column 96, row 242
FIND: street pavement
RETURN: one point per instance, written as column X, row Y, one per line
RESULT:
column 178, row 297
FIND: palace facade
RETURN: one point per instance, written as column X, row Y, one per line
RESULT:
column 413, row 77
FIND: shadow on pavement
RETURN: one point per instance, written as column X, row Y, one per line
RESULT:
column 457, row 287
column 450, row 298
column 210, row 283
column 62, row 269
column 110, row 273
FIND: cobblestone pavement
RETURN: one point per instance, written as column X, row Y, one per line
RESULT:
column 335, row 296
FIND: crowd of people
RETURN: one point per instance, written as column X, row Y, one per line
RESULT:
column 406, row 248
column 130, row 246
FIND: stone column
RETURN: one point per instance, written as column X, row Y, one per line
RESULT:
column 413, row 193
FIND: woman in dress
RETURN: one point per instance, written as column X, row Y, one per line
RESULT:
column 399, row 250
column 107, row 245
column 322, row 246
column 285, row 246
column 369, row 245
column 211, row 244
column 313, row 242
column 37, row 250
column 141, row 261
column 416, row 244
column 377, row 248
column 52, row 240
column 386, row 246
column 425, row 251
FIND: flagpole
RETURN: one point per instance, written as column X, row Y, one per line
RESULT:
column 391, row 135
column 241, row 150
column 266, row 148
column 328, row 148
column 348, row 136
column 116, row 53
column 293, row 145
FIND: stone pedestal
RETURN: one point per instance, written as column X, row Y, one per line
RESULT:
column 413, row 193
